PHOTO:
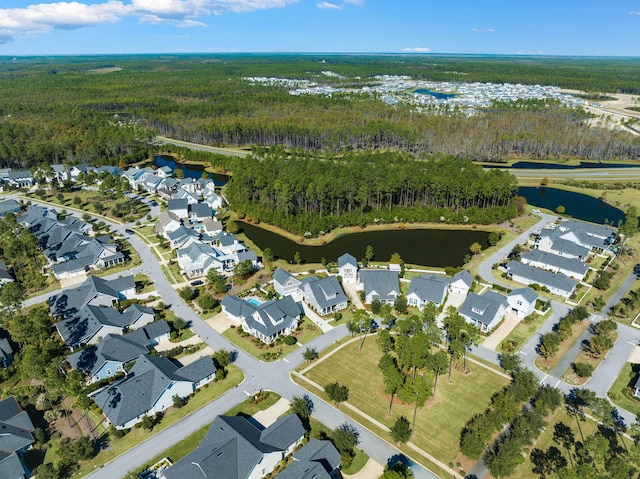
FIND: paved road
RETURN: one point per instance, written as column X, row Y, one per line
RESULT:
column 199, row 147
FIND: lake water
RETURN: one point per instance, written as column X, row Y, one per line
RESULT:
column 535, row 165
column 417, row 247
column 435, row 94
column 190, row 171
column 577, row 205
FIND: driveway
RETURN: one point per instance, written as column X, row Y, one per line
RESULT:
column 493, row 341
column 220, row 323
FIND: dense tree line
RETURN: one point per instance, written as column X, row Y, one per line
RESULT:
column 550, row 342
column 302, row 195
column 53, row 110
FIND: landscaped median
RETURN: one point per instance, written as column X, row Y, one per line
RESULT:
column 135, row 436
column 436, row 441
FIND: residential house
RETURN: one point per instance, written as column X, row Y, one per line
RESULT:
column 149, row 388
column 5, row 276
column 180, row 208
column 348, row 268
column 20, row 179
column 200, row 212
column 522, row 301
column 324, row 296
column 636, row 387
column 427, row 288
column 183, row 237
column 557, row 283
column 107, row 358
column 461, row 283
column 6, row 353
column 317, row 459
column 15, row 439
column 571, row 267
column 198, row 258
column 90, row 325
column 588, row 235
column 94, row 291
column 164, row 172
column 150, row 335
column 212, row 199
column 136, row 316
column 236, row 447
column 191, row 197
column 167, row 223
column 212, row 227
column 284, row 283
column 484, row 311
column 265, row 321
column 9, row 206
column 167, row 188
column 549, row 241
column 379, row 284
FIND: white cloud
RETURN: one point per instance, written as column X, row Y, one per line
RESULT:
column 416, row 50
column 634, row 13
column 328, row 6
column 44, row 17
column 355, row 2
column 483, row 30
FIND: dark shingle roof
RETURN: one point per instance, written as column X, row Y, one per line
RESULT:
column 544, row 278
column 284, row 432
column 483, row 308
column 553, row 260
column 197, row 370
column 149, row 332
column 315, row 460
column 327, row 292
column 382, row 282
column 347, row 259
column 112, row 348
column 430, row 288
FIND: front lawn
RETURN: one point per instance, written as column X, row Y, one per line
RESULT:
column 305, row 332
column 523, row 332
column 621, row 393
column 438, row 424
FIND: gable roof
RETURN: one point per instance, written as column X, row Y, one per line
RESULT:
column 431, row 288
column 268, row 318
column 464, row 276
column 539, row 276
column 347, row 259
column 326, row 292
column 113, row 347
column 315, row 460
column 382, row 282
column 70, row 301
column 527, row 293
column 177, row 204
column 149, row 332
column 281, row 276
column 568, row 264
column 231, row 449
column 83, row 326
column 483, row 308
column 15, row 426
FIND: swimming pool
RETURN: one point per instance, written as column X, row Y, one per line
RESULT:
column 254, row 301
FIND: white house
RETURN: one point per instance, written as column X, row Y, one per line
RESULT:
column 284, row 283
column 348, row 268
column 484, row 311
column 379, row 284
column 522, row 301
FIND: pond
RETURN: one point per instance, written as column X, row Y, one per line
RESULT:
column 537, row 165
column 577, row 205
column 427, row 247
column 189, row 170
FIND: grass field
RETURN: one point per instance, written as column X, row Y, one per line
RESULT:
column 620, row 392
column 453, row 406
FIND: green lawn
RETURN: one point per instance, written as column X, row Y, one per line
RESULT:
column 621, row 393
column 136, row 436
column 308, row 331
column 524, row 330
column 453, row 406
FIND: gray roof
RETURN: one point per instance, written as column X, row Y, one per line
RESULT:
column 82, row 327
column 197, row 370
column 590, row 229
column 281, row 276
column 70, row 301
column 483, row 308
column 113, row 347
column 284, row 432
column 15, row 426
column 569, row 264
column 5, row 347
column 381, row 281
column 315, row 460
column 327, row 292
column 231, row 449
column 464, row 276
column 139, row 390
column 9, row 206
column 527, row 293
column 539, row 276
column 11, row 466
column 430, row 288
column 200, row 210
column 347, row 259
column 569, row 247
column 173, row 205
column 268, row 318
column 147, row 333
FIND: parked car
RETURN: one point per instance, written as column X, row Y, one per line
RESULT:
column 197, row 283
column 128, row 231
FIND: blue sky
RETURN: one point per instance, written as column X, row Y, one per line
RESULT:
column 559, row 27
